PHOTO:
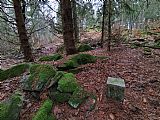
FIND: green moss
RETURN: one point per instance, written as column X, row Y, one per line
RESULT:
column 76, row 61
column 10, row 110
column 54, row 57
column 79, row 95
column 44, row 112
column 13, row 71
column 39, row 77
column 33, row 68
column 37, row 68
column 84, row 59
column 76, row 70
column 147, row 53
column 146, row 49
column 84, row 47
column 60, row 97
column 70, row 64
column 67, row 83
column 157, row 45
column 55, row 79
column 4, row 111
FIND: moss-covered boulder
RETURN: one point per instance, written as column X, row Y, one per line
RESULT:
column 44, row 112
column 67, row 83
column 59, row 97
column 76, row 61
column 84, row 59
column 55, row 79
column 10, row 110
column 13, row 71
column 40, row 76
column 79, row 96
column 70, row 64
column 54, row 57
column 157, row 45
column 147, row 51
column 84, row 47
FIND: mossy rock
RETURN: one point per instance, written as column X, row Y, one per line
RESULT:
column 59, row 97
column 33, row 68
column 146, row 49
column 42, row 68
column 67, row 83
column 40, row 76
column 84, row 47
column 54, row 57
column 76, row 61
column 147, row 53
column 79, row 96
column 44, row 112
column 157, row 45
column 10, row 110
column 137, row 44
column 81, row 59
column 13, row 71
column 55, row 79
column 4, row 111
column 75, row 70
column 71, row 64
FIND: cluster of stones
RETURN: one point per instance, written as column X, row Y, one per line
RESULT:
column 62, row 87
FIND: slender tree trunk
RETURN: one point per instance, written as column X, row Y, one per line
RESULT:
column 67, row 23
column 103, row 23
column 109, row 24
column 75, row 22
column 22, row 31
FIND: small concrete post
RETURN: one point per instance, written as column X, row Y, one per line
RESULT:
column 115, row 88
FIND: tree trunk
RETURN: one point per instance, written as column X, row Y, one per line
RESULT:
column 109, row 24
column 75, row 21
column 22, row 31
column 67, row 23
column 103, row 23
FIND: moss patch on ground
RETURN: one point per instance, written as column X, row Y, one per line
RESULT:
column 54, row 57
column 13, row 71
column 44, row 112
column 84, row 47
column 67, row 83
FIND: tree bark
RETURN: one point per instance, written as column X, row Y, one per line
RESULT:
column 109, row 24
column 103, row 23
column 75, row 21
column 67, row 23
column 24, row 40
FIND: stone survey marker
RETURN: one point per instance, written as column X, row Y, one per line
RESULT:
column 115, row 88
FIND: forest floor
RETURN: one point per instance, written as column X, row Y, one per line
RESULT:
column 142, row 94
